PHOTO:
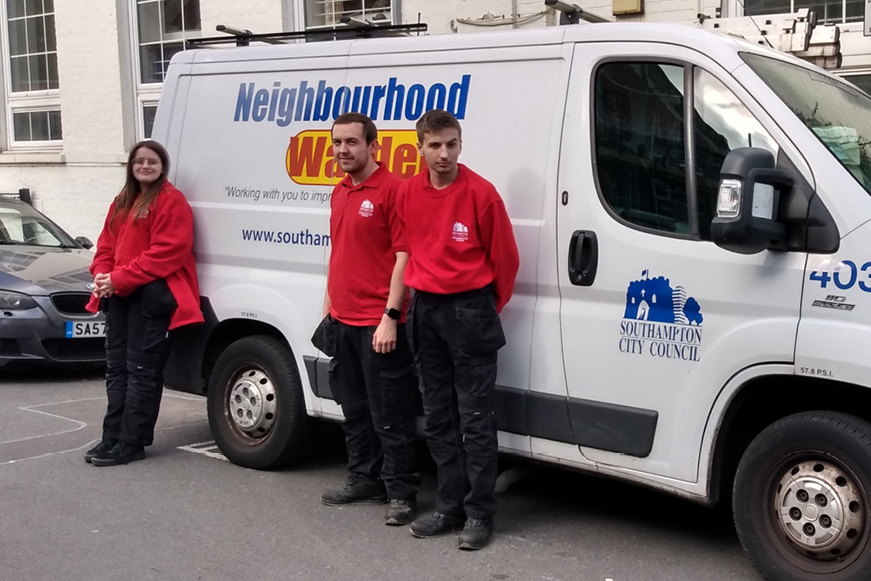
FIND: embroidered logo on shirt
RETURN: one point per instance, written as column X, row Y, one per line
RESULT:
column 460, row 232
column 367, row 208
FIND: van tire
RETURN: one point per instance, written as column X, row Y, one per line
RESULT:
column 800, row 477
column 255, row 405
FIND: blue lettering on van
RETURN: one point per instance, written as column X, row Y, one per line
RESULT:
column 845, row 276
column 660, row 321
column 321, row 102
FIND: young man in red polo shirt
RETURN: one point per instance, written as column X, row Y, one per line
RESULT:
column 462, row 265
column 372, row 371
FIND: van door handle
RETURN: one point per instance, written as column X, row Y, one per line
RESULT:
column 583, row 257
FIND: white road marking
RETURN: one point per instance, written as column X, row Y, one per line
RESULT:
column 79, row 425
column 209, row 449
column 187, row 397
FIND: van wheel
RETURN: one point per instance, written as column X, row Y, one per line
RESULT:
column 801, row 498
column 255, row 405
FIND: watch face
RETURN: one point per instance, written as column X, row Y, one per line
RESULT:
column 393, row 313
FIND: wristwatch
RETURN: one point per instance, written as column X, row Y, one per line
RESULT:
column 393, row 313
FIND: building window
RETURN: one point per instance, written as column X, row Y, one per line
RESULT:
column 32, row 45
column 863, row 81
column 330, row 12
column 159, row 29
column 827, row 11
column 163, row 26
column 32, row 90
column 37, row 125
column 149, row 110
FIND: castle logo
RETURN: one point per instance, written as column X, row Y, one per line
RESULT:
column 660, row 320
column 367, row 208
column 460, row 232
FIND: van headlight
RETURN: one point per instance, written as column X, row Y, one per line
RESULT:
column 12, row 301
column 729, row 199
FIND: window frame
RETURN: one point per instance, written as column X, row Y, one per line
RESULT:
column 29, row 101
column 147, row 94
column 395, row 10
column 865, row 74
column 737, row 8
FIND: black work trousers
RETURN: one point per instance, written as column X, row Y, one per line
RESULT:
column 378, row 395
column 137, row 347
column 455, row 339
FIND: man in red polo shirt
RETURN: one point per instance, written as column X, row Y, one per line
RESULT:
column 462, row 265
column 372, row 371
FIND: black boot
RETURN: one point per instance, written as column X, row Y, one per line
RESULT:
column 357, row 490
column 120, row 453
column 99, row 450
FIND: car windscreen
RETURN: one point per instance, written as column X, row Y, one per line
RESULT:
column 838, row 113
column 19, row 226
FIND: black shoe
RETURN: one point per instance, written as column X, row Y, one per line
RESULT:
column 435, row 524
column 99, row 450
column 399, row 512
column 476, row 534
column 120, row 453
column 357, row 490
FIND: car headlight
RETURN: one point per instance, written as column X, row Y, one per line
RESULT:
column 12, row 301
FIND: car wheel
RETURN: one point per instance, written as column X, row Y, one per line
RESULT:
column 801, row 498
column 255, row 405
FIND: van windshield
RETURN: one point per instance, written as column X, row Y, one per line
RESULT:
column 837, row 113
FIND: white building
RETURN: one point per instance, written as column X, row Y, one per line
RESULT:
column 81, row 78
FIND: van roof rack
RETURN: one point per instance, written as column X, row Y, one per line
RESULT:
column 352, row 29
column 23, row 194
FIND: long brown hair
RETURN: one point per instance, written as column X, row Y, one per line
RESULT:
column 132, row 200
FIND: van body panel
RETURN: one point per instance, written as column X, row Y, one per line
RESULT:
column 637, row 347
column 835, row 329
column 259, row 175
column 554, row 144
column 617, row 351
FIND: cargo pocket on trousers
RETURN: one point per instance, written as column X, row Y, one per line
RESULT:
column 158, row 304
column 400, row 389
column 157, row 299
column 479, row 331
column 335, row 381
column 156, row 334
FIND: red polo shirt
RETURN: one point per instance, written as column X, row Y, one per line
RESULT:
column 459, row 238
column 365, row 236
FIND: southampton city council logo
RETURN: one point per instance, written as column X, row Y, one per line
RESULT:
column 367, row 209
column 660, row 321
column 460, row 232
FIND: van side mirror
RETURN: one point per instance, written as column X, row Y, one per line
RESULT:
column 85, row 241
column 748, row 202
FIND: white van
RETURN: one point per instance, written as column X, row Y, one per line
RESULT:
column 693, row 308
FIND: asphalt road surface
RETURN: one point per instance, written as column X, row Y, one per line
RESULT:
column 186, row 513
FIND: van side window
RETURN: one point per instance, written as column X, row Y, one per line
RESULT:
column 720, row 124
column 640, row 143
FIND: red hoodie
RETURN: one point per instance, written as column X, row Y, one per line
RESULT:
column 459, row 238
column 158, row 244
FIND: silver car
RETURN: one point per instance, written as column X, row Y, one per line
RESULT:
column 44, row 287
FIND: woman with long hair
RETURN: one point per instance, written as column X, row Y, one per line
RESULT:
column 145, row 279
